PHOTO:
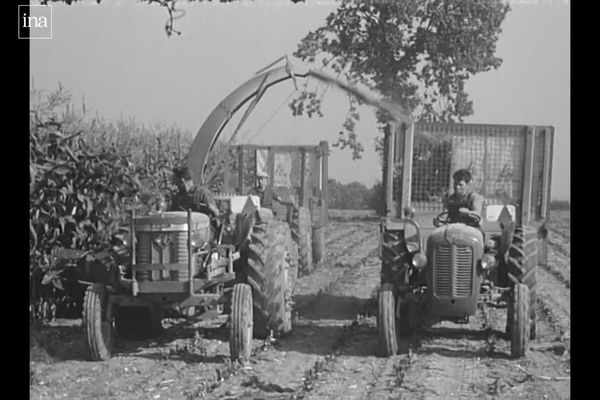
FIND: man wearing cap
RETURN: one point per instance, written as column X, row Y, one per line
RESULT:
column 266, row 193
column 191, row 196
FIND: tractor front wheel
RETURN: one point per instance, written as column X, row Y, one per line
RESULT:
column 98, row 322
column 386, row 320
column 240, row 341
column 518, row 315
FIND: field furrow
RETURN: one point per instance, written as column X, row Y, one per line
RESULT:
column 332, row 352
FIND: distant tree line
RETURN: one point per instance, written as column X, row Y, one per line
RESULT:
column 354, row 195
column 357, row 196
column 560, row 205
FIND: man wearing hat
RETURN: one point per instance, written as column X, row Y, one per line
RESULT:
column 191, row 196
column 266, row 193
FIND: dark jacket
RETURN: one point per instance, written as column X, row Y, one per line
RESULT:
column 197, row 199
column 266, row 196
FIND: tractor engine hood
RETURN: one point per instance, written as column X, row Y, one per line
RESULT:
column 459, row 234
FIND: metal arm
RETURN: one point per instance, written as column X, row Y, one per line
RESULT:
column 221, row 115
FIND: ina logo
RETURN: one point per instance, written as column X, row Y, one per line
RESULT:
column 35, row 22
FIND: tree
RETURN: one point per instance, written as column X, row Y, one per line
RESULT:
column 170, row 5
column 351, row 196
column 416, row 53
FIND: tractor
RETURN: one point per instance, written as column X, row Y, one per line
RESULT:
column 233, row 270
column 435, row 269
column 295, row 172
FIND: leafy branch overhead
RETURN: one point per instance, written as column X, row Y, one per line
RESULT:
column 418, row 54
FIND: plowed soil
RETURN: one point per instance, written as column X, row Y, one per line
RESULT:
column 332, row 352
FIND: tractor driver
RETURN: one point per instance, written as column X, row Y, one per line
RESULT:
column 464, row 205
column 266, row 194
column 191, row 196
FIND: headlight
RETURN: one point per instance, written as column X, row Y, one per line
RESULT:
column 409, row 212
column 419, row 260
column 488, row 261
column 490, row 244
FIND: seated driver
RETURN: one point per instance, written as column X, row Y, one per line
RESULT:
column 266, row 193
column 464, row 205
column 191, row 196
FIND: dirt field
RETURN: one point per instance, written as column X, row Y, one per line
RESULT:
column 332, row 353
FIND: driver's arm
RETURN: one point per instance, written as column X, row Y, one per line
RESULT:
column 203, row 196
column 477, row 204
column 475, row 208
column 277, row 198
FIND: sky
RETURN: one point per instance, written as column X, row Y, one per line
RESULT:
column 119, row 58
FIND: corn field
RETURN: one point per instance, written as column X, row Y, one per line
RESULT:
column 84, row 174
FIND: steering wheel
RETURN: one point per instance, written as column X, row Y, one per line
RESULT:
column 442, row 218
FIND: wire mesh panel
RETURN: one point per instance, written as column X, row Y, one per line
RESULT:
column 432, row 167
column 494, row 154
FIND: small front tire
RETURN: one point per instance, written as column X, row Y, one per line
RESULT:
column 519, row 320
column 386, row 321
column 98, row 322
column 240, row 341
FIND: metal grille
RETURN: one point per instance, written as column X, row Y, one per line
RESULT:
column 150, row 252
column 463, row 271
column 442, row 271
column 495, row 156
column 453, row 271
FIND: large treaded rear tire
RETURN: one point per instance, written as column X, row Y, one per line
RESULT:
column 293, row 260
column 240, row 340
column 386, row 320
column 301, row 227
column 265, row 268
column 98, row 322
column 521, row 267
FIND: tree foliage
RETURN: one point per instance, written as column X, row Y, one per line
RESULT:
column 351, row 196
column 170, row 5
column 418, row 54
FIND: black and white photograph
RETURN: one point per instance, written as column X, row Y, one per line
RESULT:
column 299, row 199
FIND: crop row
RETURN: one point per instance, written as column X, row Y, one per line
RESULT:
column 84, row 175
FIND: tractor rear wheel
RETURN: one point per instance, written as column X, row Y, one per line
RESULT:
column 386, row 320
column 266, row 269
column 240, row 340
column 519, row 320
column 521, row 267
column 301, row 227
column 98, row 322
column 292, row 252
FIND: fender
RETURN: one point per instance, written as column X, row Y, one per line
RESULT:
column 217, row 120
